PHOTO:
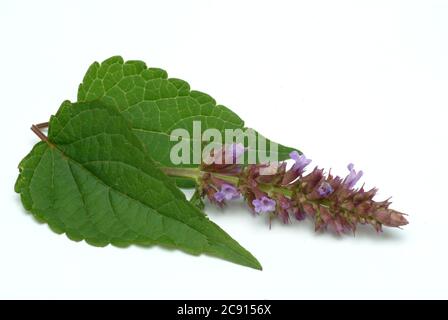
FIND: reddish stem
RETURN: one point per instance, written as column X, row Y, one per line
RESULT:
column 36, row 129
column 42, row 125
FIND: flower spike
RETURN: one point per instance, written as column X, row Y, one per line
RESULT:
column 331, row 201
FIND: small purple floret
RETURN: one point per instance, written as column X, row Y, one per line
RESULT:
column 353, row 177
column 300, row 161
column 219, row 196
column 325, row 189
column 227, row 192
column 264, row 204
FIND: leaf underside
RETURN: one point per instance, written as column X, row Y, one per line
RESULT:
column 94, row 181
column 155, row 105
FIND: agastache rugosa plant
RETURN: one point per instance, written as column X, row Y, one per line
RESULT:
column 331, row 201
column 96, row 165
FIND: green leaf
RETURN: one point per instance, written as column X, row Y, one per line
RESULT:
column 155, row 105
column 94, row 181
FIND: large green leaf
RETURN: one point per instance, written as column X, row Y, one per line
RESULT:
column 94, row 181
column 155, row 105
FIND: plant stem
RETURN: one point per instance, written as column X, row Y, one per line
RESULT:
column 42, row 125
column 39, row 133
column 196, row 174
column 189, row 173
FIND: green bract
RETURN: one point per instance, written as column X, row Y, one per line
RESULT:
column 95, row 181
column 155, row 105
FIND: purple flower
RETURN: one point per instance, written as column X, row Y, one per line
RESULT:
column 227, row 192
column 301, row 161
column 353, row 177
column 219, row 196
column 264, row 204
column 324, row 189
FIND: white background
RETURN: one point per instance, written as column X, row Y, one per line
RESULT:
column 344, row 81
